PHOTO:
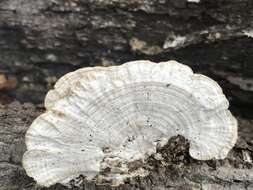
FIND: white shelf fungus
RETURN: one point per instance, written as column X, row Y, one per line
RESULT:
column 101, row 120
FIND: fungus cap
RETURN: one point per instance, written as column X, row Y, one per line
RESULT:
column 101, row 120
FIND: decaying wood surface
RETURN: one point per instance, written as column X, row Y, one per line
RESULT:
column 179, row 171
column 42, row 40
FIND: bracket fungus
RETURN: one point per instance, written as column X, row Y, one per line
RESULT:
column 101, row 120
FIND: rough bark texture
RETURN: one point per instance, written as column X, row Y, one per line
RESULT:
column 40, row 40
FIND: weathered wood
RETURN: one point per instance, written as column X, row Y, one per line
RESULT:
column 179, row 171
column 42, row 40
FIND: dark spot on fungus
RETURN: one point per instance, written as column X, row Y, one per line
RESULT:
column 130, row 139
column 106, row 149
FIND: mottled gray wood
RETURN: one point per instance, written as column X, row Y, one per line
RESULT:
column 42, row 40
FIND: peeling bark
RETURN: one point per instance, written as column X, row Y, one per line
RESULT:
column 42, row 40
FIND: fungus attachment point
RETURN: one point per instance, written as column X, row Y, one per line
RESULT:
column 103, row 123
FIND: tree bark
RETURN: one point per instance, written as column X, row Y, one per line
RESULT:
column 42, row 40
column 179, row 171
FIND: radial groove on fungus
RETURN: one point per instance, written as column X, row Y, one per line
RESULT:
column 103, row 123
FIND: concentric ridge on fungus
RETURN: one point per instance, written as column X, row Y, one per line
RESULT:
column 100, row 120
